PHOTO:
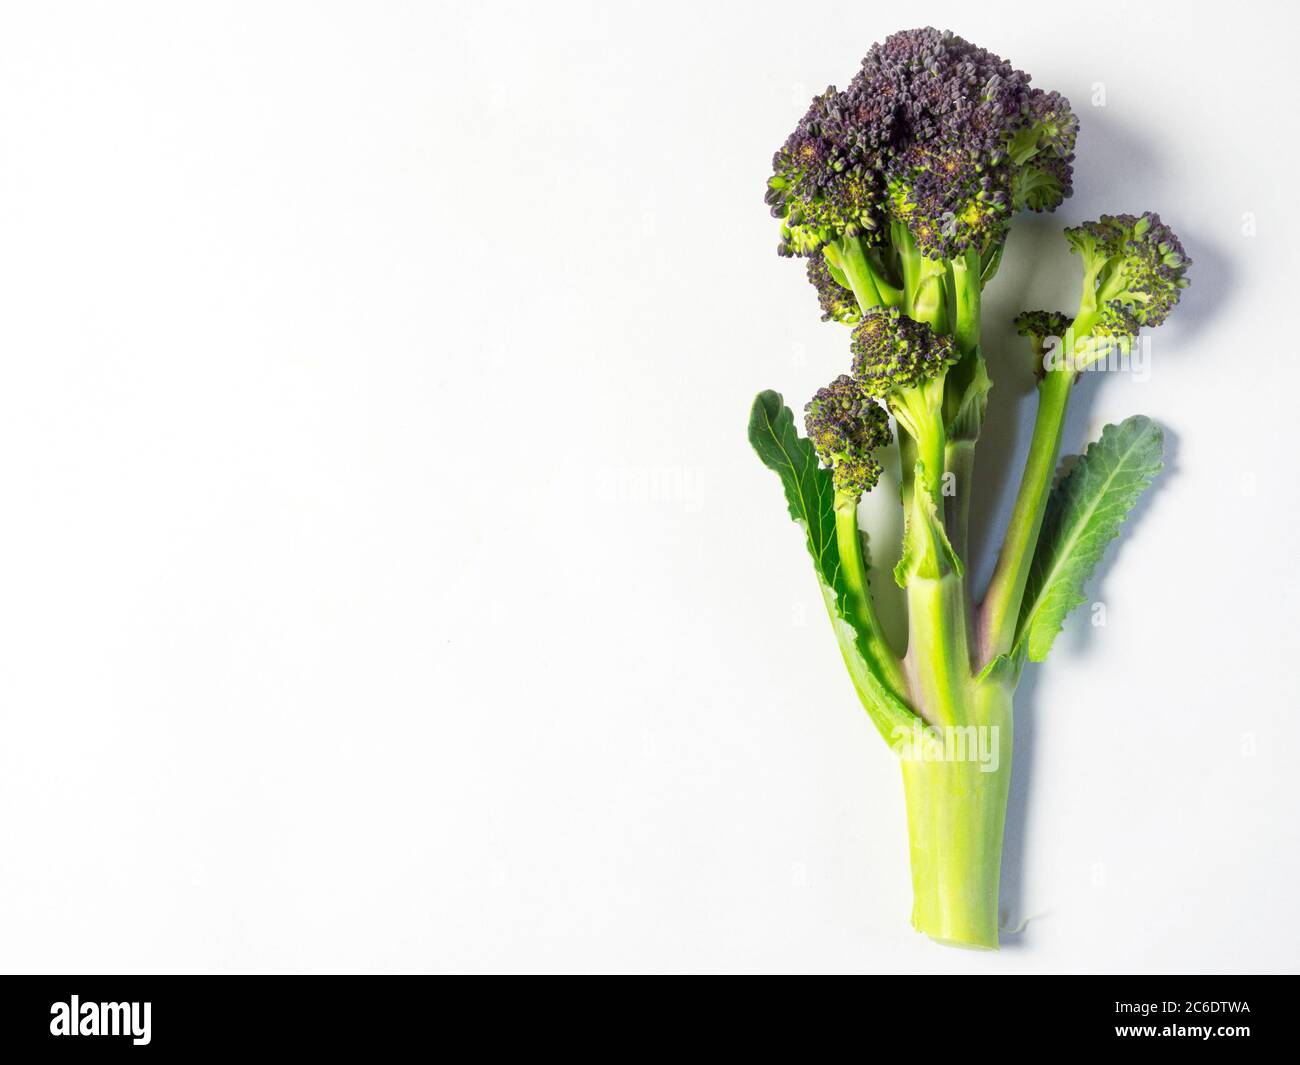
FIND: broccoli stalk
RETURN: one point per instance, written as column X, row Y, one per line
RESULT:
column 845, row 427
column 1134, row 269
column 899, row 191
column 956, row 811
column 1000, row 610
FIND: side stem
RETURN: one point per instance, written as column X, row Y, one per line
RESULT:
column 1001, row 608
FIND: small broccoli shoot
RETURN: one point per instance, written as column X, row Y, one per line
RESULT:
column 845, row 426
column 1047, row 332
column 1134, row 270
column 903, row 363
column 1133, row 261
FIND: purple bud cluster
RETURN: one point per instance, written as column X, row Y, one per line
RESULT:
column 1154, row 264
column 1039, row 325
column 838, row 303
column 933, row 131
column 891, row 352
column 845, row 426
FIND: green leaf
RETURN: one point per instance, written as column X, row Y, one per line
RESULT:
column 808, row 490
column 1084, row 513
column 810, row 497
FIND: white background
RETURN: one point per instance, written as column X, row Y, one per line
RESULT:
column 386, row 583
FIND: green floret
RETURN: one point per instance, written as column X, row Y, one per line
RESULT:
column 837, row 301
column 1041, row 185
column 1152, row 269
column 1042, row 152
column 1114, row 330
column 1096, row 242
column 1116, row 322
column 1135, row 269
column 1050, row 129
column 857, row 472
column 845, row 426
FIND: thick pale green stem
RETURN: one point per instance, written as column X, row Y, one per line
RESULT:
column 956, row 790
column 853, row 565
column 1001, row 607
column 938, row 648
column 956, row 802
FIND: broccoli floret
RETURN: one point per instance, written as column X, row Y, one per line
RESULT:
column 1135, row 268
column 933, row 132
column 1042, row 151
column 1095, row 241
column 1115, row 327
column 823, row 184
column 1048, row 127
column 1043, row 184
column 949, row 200
column 1041, row 326
column 904, row 363
column 1134, row 271
column 845, row 426
column 1151, row 270
column 892, row 353
column 837, row 301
